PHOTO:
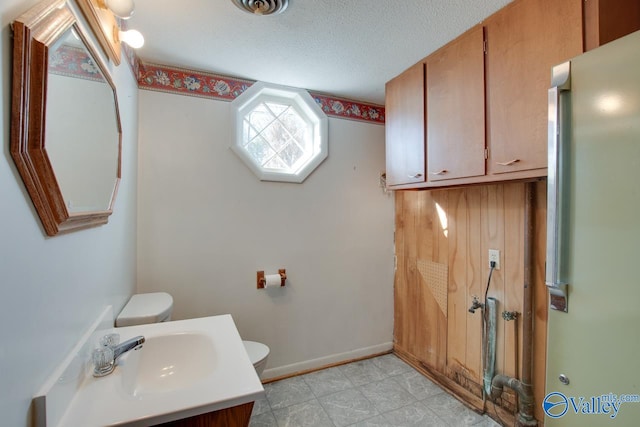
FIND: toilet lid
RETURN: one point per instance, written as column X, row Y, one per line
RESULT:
column 146, row 308
column 256, row 350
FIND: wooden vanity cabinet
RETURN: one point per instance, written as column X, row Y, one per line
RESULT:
column 525, row 40
column 455, row 109
column 236, row 416
column 405, row 127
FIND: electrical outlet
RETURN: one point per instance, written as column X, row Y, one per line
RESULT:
column 494, row 255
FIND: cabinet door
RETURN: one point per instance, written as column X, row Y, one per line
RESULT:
column 608, row 20
column 524, row 40
column 404, row 105
column 455, row 109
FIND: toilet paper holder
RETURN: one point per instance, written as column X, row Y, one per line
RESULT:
column 262, row 281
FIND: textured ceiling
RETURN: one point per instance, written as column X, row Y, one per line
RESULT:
column 347, row 48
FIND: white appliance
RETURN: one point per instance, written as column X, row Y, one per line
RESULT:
column 593, row 241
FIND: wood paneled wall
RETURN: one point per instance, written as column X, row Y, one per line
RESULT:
column 442, row 239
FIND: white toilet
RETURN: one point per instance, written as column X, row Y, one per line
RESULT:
column 154, row 307
column 258, row 354
column 157, row 307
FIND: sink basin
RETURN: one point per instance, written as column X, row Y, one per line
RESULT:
column 168, row 363
column 185, row 368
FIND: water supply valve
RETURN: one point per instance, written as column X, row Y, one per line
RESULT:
column 475, row 304
column 509, row 315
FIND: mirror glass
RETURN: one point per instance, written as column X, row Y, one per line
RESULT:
column 81, row 128
column 65, row 124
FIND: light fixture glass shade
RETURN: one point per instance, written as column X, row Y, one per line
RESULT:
column 133, row 38
column 121, row 8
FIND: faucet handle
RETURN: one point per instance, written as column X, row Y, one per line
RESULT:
column 110, row 340
column 103, row 361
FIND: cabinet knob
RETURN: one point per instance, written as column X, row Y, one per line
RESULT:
column 440, row 172
column 418, row 175
column 509, row 163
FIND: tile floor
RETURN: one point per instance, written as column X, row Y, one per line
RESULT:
column 383, row 391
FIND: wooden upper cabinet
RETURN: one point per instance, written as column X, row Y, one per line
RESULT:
column 404, row 104
column 607, row 20
column 455, row 109
column 524, row 41
column 484, row 118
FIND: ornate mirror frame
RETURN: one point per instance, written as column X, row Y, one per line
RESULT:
column 34, row 33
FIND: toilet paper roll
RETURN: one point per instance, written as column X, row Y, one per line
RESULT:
column 272, row 280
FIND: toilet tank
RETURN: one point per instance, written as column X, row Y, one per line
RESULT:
column 147, row 308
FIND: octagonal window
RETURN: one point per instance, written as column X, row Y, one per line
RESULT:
column 280, row 133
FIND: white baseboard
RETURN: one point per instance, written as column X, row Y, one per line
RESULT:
column 325, row 361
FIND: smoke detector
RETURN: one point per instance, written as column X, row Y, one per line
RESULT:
column 262, row 7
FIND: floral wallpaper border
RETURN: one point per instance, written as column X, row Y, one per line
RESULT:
column 165, row 78
column 187, row 82
column 75, row 62
column 348, row 109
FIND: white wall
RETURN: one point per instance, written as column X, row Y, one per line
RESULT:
column 206, row 225
column 51, row 289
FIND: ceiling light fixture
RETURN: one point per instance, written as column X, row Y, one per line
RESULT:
column 133, row 38
column 123, row 9
column 262, row 7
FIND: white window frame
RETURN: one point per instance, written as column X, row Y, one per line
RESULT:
column 304, row 105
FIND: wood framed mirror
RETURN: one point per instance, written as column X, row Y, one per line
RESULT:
column 65, row 127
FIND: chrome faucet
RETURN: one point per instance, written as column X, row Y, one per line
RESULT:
column 105, row 357
column 131, row 344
